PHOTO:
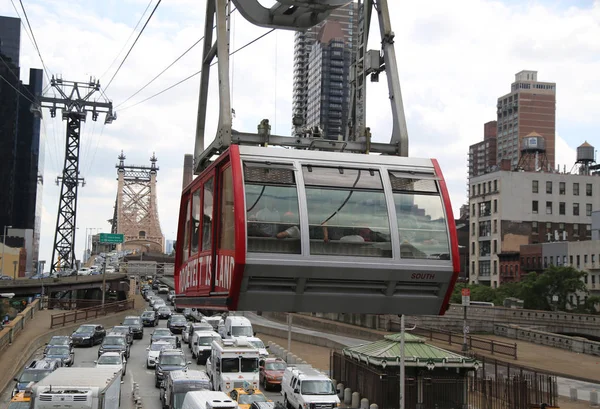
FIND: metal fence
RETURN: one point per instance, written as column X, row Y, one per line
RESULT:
column 491, row 387
column 71, row 317
column 452, row 338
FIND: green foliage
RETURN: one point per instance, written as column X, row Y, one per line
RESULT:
column 537, row 291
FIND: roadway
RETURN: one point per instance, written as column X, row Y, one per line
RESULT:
column 136, row 372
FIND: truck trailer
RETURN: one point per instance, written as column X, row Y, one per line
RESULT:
column 78, row 388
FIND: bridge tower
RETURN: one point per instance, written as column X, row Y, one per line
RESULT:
column 136, row 210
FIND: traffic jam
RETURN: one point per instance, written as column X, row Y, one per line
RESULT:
column 177, row 360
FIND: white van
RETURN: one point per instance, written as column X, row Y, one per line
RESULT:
column 235, row 326
column 303, row 386
column 208, row 400
column 202, row 345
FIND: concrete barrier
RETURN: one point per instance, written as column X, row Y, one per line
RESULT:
column 355, row 399
column 296, row 336
column 14, row 327
column 347, row 396
column 364, row 403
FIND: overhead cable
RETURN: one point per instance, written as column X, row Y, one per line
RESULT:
column 132, row 45
column 197, row 72
column 46, row 71
column 128, row 38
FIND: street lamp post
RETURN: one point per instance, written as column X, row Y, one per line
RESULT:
column 3, row 247
column 15, row 262
column 402, row 376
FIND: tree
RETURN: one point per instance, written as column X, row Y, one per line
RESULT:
column 561, row 282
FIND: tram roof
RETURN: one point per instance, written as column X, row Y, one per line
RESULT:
column 333, row 157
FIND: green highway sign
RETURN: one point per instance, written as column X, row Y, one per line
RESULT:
column 111, row 238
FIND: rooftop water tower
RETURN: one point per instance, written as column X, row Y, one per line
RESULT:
column 533, row 153
column 585, row 158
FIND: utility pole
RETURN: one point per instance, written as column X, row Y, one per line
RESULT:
column 103, row 280
column 4, row 248
column 74, row 101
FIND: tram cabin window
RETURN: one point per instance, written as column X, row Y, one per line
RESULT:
column 227, row 232
column 195, row 221
column 186, row 237
column 347, row 212
column 208, row 215
column 421, row 219
column 272, row 208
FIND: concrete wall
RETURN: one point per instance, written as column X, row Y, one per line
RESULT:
column 538, row 336
column 13, row 328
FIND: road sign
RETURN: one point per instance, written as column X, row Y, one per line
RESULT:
column 466, row 296
column 109, row 238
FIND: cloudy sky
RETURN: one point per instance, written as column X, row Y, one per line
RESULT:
column 455, row 59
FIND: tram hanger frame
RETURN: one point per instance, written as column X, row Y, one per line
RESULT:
column 300, row 15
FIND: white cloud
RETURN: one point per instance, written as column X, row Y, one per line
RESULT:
column 454, row 61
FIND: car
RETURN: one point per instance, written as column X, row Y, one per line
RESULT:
column 21, row 400
column 164, row 312
column 192, row 327
column 160, row 333
column 177, row 323
column 88, row 334
column 169, row 360
column 247, row 396
column 163, row 289
column 270, row 372
column 155, row 299
column 113, row 360
column 171, row 295
column 62, row 352
column 154, row 350
column 258, row 344
column 114, row 342
column 135, row 323
column 158, row 304
column 150, row 319
column 125, row 330
column 60, row 340
column 35, row 372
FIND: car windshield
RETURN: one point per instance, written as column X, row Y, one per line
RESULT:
column 121, row 330
column 178, row 360
column 59, row 341
column 131, row 321
column 179, row 319
column 164, row 309
column 58, row 351
column 114, row 341
column 109, row 360
column 85, row 330
column 205, row 341
column 33, row 376
column 249, row 364
column 158, row 347
column 241, row 331
column 249, row 399
column 257, row 344
column 317, row 388
column 148, row 314
column 161, row 332
column 229, row 365
column 275, row 366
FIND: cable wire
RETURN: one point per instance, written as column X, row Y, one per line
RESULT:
column 16, row 76
column 197, row 72
column 132, row 45
column 46, row 71
column 128, row 38
column 13, row 87
column 169, row 66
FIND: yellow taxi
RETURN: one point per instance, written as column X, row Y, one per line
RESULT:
column 21, row 400
column 247, row 396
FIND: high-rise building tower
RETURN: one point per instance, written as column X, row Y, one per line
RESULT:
column 21, row 147
column 347, row 17
column 529, row 107
column 482, row 155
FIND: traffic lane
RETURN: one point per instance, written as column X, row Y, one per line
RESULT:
column 273, row 395
column 85, row 357
column 5, row 396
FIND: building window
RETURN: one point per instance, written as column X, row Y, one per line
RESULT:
column 473, row 191
column 578, row 260
column 551, row 260
column 472, row 229
column 585, row 259
column 495, row 226
column 545, row 261
column 534, row 207
column 496, row 206
column 575, row 229
column 472, row 268
column 495, row 185
column 495, row 246
column 549, row 188
column 484, row 229
column 588, row 189
column 479, row 188
column 473, row 210
column 473, row 248
column 571, row 260
column 484, row 268
column 548, row 207
column 561, row 226
column 575, row 209
column 495, row 267
column 548, row 226
column 490, row 186
column 484, row 249
column 561, row 208
column 535, row 186
column 485, row 209
column 588, row 209
column 561, row 188
column 484, row 188
column 593, row 258
column 575, row 189
column 534, row 227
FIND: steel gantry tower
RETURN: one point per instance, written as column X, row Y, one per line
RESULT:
column 74, row 101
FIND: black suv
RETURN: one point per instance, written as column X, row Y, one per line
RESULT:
column 177, row 323
column 135, row 323
column 114, row 342
column 88, row 334
column 149, row 319
column 61, row 352
column 125, row 330
column 169, row 360
column 60, row 341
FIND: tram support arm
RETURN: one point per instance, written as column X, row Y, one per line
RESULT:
column 399, row 130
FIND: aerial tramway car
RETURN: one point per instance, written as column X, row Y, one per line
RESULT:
column 272, row 229
column 322, row 227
